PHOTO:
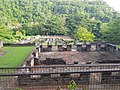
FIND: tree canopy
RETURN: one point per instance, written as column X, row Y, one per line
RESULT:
column 83, row 34
column 113, row 31
column 53, row 17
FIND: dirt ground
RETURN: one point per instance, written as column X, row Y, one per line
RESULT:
column 80, row 57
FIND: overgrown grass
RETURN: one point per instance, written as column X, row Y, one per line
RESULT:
column 14, row 56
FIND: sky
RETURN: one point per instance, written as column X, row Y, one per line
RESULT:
column 114, row 3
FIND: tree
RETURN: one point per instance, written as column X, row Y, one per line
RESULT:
column 55, row 17
column 113, row 32
column 72, row 85
column 83, row 34
column 5, row 33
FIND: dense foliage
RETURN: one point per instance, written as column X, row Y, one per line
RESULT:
column 113, row 32
column 53, row 17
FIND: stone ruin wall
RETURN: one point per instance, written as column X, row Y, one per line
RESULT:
column 63, row 78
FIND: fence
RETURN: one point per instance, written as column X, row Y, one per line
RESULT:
column 87, row 77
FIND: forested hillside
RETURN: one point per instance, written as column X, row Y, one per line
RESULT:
column 77, row 18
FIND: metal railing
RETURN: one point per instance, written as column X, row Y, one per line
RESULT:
column 87, row 77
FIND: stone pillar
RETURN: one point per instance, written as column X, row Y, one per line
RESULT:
column 88, row 47
column 28, row 63
column 108, row 47
column 93, row 47
column 49, row 48
column 75, row 42
column 98, row 48
column 1, row 43
column 79, row 47
column 111, row 47
column 59, row 47
column 103, row 46
column 38, row 49
column 56, row 40
column 84, row 47
column 114, row 48
column 36, row 61
column 32, row 61
column 41, row 48
column 35, row 54
column 69, row 47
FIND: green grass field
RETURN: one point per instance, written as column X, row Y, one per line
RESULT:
column 14, row 56
column 118, row 46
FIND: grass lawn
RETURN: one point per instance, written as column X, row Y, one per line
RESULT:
column 118, row 46
column 14, row 56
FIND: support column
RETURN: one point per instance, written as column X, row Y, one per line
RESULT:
column 69, row 47
column 59, row 47
column 36, row 61
column 38, row 49
column 35, row 54
column 79, row 47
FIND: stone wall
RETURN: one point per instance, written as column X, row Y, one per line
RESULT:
column 96, row 47
column 64, row 47
column 1, row 43
column 53, row 79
